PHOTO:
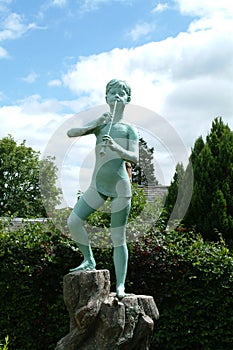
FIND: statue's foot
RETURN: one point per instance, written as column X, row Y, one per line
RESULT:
column 120, row 291
column 87, row 265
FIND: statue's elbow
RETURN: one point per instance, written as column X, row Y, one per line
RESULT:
column 135, row 159
column 69, row 134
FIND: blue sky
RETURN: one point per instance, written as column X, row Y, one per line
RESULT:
column 42, row 39
column 56, row 57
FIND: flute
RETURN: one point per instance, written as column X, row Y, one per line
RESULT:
column 103, row 150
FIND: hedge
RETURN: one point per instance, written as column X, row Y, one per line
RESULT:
column 33, row 260
column 190, row 280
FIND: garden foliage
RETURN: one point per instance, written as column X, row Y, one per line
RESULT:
column 192, row 283
column 190, row 280
column 5, row 345
column 210, row 211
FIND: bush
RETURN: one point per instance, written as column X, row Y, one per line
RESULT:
column 34, row 259
column 190, row 280
column 5, row 345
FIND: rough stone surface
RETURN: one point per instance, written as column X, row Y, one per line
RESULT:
column 100, row 321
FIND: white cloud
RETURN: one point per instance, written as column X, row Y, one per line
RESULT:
column 59, row 3
column 160, row 7
column 188, row 78
column 30, row 78
column 34, row 105
column 55, row 83
column 2, row 96
column 13, row 27
column 142, row 67
column 4, row 4
column 209, row 13
column 33, row 120
column 77, row 167
column 205, row 8
column 141, row 30
column 3, row 53
column 90, row 5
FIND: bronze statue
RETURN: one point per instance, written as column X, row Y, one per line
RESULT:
column 117, row 144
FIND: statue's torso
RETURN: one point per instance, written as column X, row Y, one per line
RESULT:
column 110, row 176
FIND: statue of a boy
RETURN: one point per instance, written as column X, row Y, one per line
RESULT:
column 116, row 144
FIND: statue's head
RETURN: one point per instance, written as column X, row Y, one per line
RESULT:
column 119, row 84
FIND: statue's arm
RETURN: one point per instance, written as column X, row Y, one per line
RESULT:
column 132, row 153
column 90, row 127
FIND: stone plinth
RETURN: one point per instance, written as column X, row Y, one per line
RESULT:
column 100, row 321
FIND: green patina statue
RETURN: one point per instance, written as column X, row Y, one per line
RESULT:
column 117, row 145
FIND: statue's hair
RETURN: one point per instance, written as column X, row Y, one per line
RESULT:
column 118, row 83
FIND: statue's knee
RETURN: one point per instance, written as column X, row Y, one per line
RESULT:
column 74, row 222
column 70, row 222
column 118, row 236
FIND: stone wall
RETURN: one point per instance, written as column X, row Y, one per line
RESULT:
column 152, row 192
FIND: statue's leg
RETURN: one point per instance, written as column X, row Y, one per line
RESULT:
column 76, row 221
column 119, row 216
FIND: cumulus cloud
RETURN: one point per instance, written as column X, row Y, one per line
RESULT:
column 30, row 78
column 13, row 27
column 188, row 78
column 2, row 96
column 90, row 5
column 3, row 53
column 55, row 83
column 59, row 3
column 160, row 7
column 141, row 30
column 204, row 8
column 4, row 4
column 32, row 119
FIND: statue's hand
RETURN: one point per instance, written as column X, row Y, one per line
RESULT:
column 109, row 142
column 104, row 118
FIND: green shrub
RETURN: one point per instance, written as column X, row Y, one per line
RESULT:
column 5, row 345
column 34, row 259
column 190, row 280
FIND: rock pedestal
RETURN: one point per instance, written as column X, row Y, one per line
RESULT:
column 100, row 321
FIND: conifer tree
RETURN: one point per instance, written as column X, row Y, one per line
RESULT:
column 211, row 208
column 143, row 173
column 172, row 196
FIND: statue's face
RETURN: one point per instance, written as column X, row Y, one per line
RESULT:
column 117, row 94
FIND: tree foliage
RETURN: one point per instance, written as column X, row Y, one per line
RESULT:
column 173, row 189
column 50, row 194
column 179, row 196
column 143, row 173
column 20, row 189
column 211, row 208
